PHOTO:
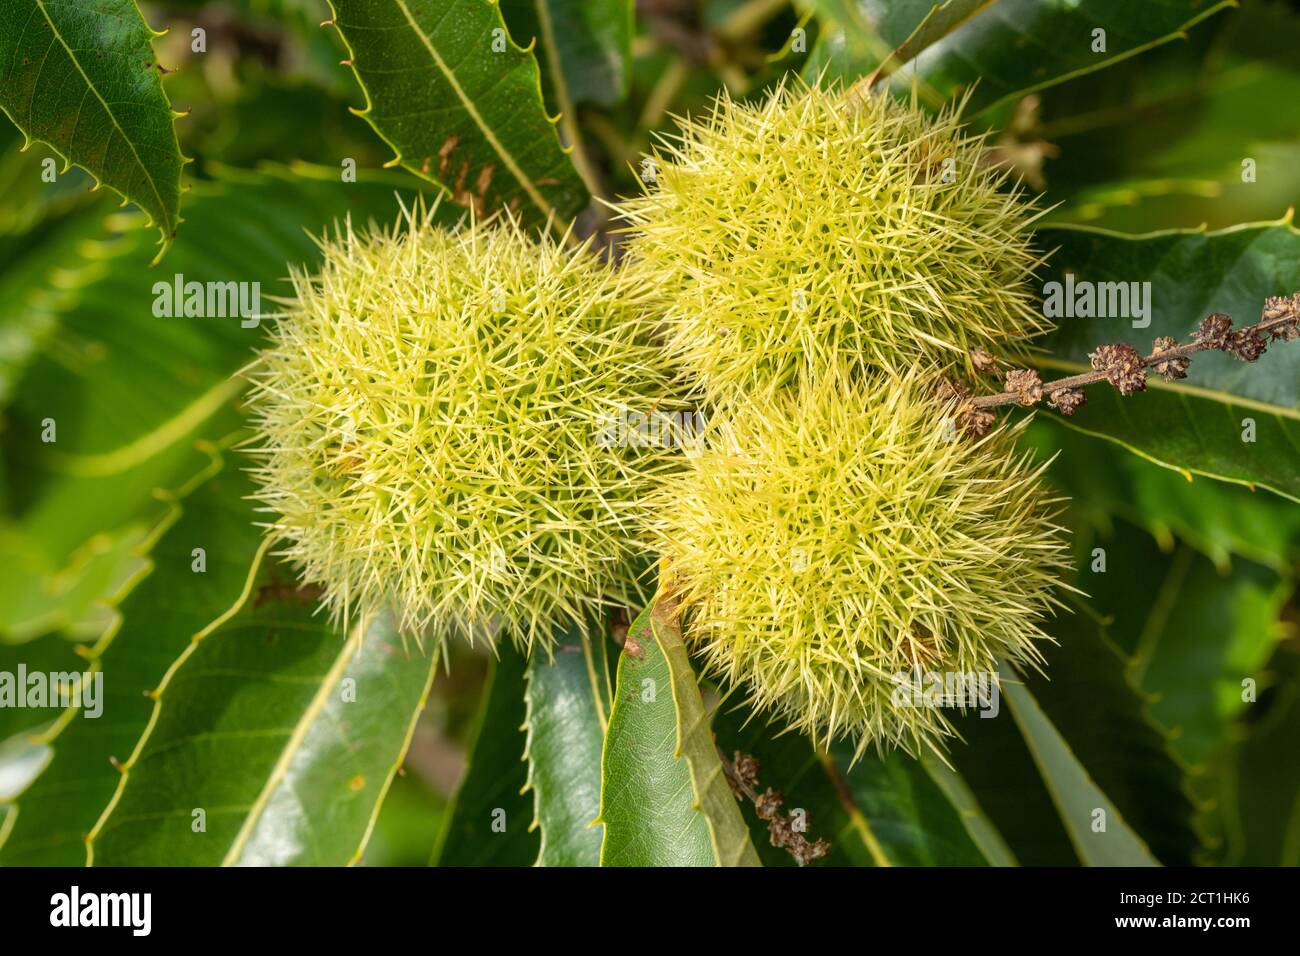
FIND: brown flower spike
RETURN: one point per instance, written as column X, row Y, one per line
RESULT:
column 1067, row 401
column 742, row 775
column 1169, row 369
column 1214, row 330
column 1279, row 307
column 1123, row 366
column 1247, row 345
column 1026, row 384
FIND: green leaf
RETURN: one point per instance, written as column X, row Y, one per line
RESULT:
column 82, row 77
column 911, row 816
column 664, row 799
column 568, row 701
column 878, row 38
column 1220, row 632
column 488, row 821
column 1065, row 745
column 1193, row 632
column 1261, row 791
column 28, row 206
column 1093, row 745
column 408, row 823
column 1072, row 743
column 586, row 47
column 283, row 731
column 1196, row 427
column 66, row 246
column 312, row 119
column 1019, row 46
column 983, row 832
column 116, row 441
column 1077, row 796
column 1219, row 519
column 460, row 103
column 1198, row 432
column 51, row 654
column 881, row 811
column 1088, row 694
column 155, row 622
column 1161, row 141
column 1196, row 634
column 1012, row 47
column 995, row 763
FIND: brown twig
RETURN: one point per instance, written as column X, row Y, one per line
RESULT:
column 1126, row 368
column 742, row 775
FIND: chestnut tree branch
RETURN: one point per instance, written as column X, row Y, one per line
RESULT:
column 1125, row 367
column 742, row 775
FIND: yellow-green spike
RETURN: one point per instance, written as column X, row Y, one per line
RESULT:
column 797, row 230
column 431, row 414
column 837, row 533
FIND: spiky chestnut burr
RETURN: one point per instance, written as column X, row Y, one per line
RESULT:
column 437, row 428
column 812, row 227
column 835, row 534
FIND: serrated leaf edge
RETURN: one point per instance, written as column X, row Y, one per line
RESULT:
column 531, row 783
column 525, row 182
column 713, row 797
column 156, row 694
column 94, row 652
column 167, row 230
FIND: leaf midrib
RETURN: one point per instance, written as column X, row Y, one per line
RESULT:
column 520, row 176
column 154, row 442
column 700, row 779
column 162, row 206
column 291, row 748
column 1013, row 688
column 857, row 819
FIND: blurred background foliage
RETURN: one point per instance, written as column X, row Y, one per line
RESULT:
column 1199, row 583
